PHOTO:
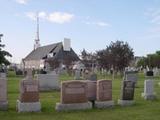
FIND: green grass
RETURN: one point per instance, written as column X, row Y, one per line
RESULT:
column 142, row 110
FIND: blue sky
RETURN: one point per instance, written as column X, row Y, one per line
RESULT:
column 90, row 24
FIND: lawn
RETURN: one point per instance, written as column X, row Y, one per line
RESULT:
column 142, row 110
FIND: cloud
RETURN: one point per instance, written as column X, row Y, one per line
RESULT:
column 22, row 1
column 59, row 17
column 31, row 15
column 154, row 15
column 55, row 17
column 101, row 24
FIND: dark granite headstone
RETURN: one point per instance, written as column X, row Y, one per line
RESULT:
column 128, row 90
column 149, row 73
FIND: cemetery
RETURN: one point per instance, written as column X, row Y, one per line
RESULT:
column 88, row 60
column 54, row 104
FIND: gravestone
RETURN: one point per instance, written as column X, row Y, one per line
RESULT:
column 127, row 93
column 156, row 72
column 29, row 95
column 93, row 77
column 149, row 74
column 144, row 71
column 74, row 92
column 148, row 93
column 3, row 92
column 149, row 90
column 48, row 81
column 131, row 76
column 73, row 96
column 77, row 74
column 104, row 94
column 29, row 91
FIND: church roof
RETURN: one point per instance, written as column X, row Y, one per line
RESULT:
column 42, row 52
column 55, row 49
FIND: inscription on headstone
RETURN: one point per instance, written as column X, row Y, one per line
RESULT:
column 74, row 92
column 128, row 90
column 29, row 91
column 104, row 90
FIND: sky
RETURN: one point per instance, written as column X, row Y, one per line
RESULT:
column 90, row 24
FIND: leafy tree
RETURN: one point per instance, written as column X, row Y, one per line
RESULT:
column 117, row 55
column 152, row 60
column 142, row 62
column 3, row 54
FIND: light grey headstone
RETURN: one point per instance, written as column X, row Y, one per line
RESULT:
column 149, row 87
column 3, row 92
column 149, row 90
column 156, row 72
column 77, row 75
column 131, row 76
column 48, row 82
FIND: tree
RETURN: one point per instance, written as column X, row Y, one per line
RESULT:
column 117, row 55
column 152, row 60
column 3, row 54
column 142, row 62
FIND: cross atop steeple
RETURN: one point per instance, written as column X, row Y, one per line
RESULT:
column 37, row 40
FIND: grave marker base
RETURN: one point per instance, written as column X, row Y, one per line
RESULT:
column 149, row 97
column 104, row 104
column 74, row 106
column 3, row 106
column 125, row 102
column 28, row 107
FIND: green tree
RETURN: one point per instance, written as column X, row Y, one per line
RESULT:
column 3, row 54
column 117, row 55
column 152, row 60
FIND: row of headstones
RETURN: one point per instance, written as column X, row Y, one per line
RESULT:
column 71, row 92
column 74, row 94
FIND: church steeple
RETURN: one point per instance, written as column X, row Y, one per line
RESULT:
column 37, row 40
